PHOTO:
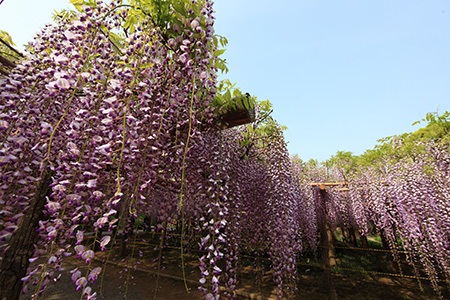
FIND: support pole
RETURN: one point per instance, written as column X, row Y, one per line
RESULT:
column 326, row 244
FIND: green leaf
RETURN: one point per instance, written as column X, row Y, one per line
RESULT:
column 116, row 39
column 219, row 52
column 131, row 22
column 78, row 4
column 223, row 41
column 242, row 102
column 179, row 7
column 237, row 93
column 6, row 38
column 227, row 96
column 221, row 65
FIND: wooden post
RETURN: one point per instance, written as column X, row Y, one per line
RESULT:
column 326, row 244
column 16, row 259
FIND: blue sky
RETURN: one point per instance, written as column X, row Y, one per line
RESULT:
column 340, row 74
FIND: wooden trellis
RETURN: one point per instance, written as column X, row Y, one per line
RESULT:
column 236, row 117
column 324, row 185
column 5, row 63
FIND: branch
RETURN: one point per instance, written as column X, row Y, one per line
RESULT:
column 158, row 29
column 10, row 47
column 262, row 118
column 111, row 41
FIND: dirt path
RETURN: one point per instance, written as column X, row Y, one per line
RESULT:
column 115, row 285
column 255, row 281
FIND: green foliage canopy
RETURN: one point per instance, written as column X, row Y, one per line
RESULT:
column 389, row 150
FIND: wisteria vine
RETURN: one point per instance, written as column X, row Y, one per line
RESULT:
column 405, row 201
column 124, row 127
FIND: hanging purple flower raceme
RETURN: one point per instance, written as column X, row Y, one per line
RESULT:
column 282, row 224
column 409, row 201
column 307, row 214
column 420, row 196
column 127, row 130
column 93, row 115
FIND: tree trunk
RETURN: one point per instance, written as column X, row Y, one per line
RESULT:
column 16, row 259
column 352, row 237
column 127, row 233
column 390, row 262
column 364, row 242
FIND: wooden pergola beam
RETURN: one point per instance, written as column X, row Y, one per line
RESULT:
column 6, row 62
column 337, row 183
column 3, row 72
column 236, row 117
column 323, row 185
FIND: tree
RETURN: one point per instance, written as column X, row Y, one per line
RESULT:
column 392, row 149
column 344, row 163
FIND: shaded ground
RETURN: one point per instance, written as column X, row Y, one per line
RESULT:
column 118, row 284
column 135, row 278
